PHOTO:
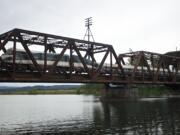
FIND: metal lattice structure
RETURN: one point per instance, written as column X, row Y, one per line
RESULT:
column 49, row 42
column 105, row 66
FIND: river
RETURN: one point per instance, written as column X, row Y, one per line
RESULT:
column 86, row 115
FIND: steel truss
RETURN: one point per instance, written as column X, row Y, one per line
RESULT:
column 51, row 43
column 146, row 67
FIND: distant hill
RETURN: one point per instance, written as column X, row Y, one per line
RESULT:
column 38, row 87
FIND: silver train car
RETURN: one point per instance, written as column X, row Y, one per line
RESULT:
column 23, row 62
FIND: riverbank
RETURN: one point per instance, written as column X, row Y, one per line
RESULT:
column 96, row 89
column 39, row 92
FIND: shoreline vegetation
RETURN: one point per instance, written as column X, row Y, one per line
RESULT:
column 96, row 89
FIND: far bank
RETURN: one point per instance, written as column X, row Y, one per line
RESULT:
column 109, row 92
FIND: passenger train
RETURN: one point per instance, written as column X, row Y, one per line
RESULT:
column 23, row 61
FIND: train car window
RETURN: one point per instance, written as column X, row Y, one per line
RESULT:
column 66, row 57
column 21, row 55
column 51, row 57
column 37, row 56
column 88, row 61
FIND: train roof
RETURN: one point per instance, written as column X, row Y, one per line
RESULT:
column 33, row 51
column 22, row 50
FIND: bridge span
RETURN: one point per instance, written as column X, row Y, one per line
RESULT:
column 28, row 56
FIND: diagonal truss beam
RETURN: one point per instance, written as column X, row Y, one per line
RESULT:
column 117, row 61
column 138, row 60
column 59, row 57
column 2, row 44
column 29, row 54
column 81, row 58
column 146, row 64
column 97, row 72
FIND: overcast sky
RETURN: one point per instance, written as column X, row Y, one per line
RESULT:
column 150, row 25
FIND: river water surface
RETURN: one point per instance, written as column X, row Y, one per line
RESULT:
column 80, row 114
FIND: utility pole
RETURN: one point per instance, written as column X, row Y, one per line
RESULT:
column 88, row 34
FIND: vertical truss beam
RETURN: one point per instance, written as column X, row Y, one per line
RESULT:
column 14, row 57
column 160, row 62
column 176, row 71
column 71, row 58
column 111, row 68
column 2, row 44
column 138, row 60
column 146, row 64
column 45, row 54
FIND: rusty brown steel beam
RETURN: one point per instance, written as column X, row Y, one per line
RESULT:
column 81, row 59
column 111, row 62
column 14, row 58
column 75, row 79
column 176, row 72
column 139, row 57
column 52, row 46
column 158, row 67
column 97, row 72
column 90, row 53
column 85, row 56
column 48, row 44
column 3, row 48
column 59, row 57
column 58, row 37
column 122, row 60
column 2, row 44
column 45, row 54
column 147, row 65
column 117, row 61
column 71, row 65
column 150, row 53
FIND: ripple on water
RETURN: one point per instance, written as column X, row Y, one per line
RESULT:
column 85, row 115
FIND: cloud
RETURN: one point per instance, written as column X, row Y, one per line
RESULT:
column 140, row 24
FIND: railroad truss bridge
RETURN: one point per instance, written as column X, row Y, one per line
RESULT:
column 25, row 57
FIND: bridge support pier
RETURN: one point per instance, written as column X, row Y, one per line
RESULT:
column 116, row 92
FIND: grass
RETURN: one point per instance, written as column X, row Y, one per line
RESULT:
column 84, row 89
column 150, row 91
column 95, row 89
column 36, row 92
column 90, row 89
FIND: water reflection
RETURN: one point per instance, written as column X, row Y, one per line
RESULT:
column 143, row 117
column 68, row 114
